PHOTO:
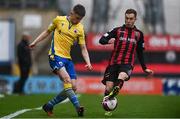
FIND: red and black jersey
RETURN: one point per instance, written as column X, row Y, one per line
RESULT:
column 128, row 42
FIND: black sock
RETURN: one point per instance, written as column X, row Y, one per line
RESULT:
column 106, row 93
column 120, row 83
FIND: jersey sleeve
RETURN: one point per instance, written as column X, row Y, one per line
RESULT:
column 81, row 37
column 140, row 49
column 107, row 36
column 53, row 25
column 140, row 43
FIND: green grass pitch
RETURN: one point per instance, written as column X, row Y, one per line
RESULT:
column 136, row 106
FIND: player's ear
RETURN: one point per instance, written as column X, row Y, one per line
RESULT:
column 135, row 19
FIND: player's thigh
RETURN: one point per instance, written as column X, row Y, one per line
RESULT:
column 56, row 63
column 63, row 74
column 110, row 75
column 70, row 69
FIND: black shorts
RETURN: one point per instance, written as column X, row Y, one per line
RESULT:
column 112, row 72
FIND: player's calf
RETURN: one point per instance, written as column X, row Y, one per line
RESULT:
column 73, row 98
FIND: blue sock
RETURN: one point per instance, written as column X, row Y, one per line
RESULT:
column 72, row 97
column 59, row 98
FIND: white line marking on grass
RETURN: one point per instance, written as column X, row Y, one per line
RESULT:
column 12, row 115
column 38, row 108
column 16, row 114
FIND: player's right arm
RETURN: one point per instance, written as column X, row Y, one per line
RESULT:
column 45, row 33
column 106, row 38
column 41, row 37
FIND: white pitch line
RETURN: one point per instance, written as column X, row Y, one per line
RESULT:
column 10, row 116
column 15, row 114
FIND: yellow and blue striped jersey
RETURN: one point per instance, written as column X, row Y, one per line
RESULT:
column 64, row 36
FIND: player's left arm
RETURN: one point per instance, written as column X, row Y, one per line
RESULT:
column 140, row 53
column 85, row 55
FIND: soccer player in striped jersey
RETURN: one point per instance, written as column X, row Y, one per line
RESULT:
column 128, row 41
column 66, row 31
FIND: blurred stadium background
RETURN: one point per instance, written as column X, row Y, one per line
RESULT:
column 158, row 19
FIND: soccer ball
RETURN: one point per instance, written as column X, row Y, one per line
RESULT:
column 109, row 104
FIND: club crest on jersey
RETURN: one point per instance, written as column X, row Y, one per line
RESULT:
column 75, row 30
column 62, row 24
column 137, row 34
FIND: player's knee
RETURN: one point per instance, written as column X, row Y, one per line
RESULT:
column 123, row 76
column 66, row 79
column 109, row 88
column 74, row 88
column 74, row 85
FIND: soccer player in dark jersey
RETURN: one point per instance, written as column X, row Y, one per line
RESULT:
column 128, row 40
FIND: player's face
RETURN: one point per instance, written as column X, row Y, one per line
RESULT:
column 130, row 20
column 75, row 18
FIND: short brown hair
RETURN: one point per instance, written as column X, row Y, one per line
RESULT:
column 80, row 10
column 131, row 11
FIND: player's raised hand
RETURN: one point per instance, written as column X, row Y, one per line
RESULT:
column 149, row 72
column 89, row 67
